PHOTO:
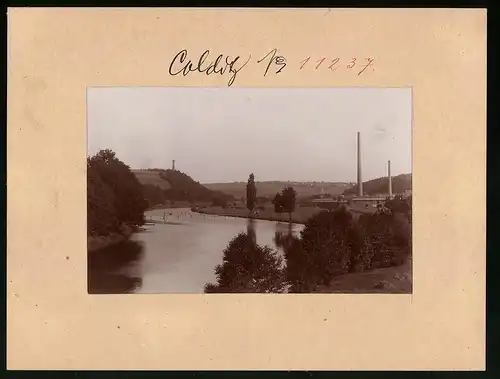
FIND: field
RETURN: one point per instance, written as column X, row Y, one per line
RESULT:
column 269, row 189
column 150, row 177
column 300, row 216
column 382, row 280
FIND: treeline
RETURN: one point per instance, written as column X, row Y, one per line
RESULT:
column 182, row 188
column 400, row 183
column 332, row 243
column 115, row 199
column 335, row 243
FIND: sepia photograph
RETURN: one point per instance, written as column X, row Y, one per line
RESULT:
column 249, row 190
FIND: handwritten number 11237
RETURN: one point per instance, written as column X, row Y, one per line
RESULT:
column 334, row 64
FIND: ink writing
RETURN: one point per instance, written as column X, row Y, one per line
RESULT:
column 221, row 65
column 279, row 61
column 359, row 65
column 273, row 63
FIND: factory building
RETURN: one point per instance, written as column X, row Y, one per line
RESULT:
column 369, row 203
column 360, row 202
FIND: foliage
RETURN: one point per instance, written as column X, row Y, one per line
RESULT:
column 101, row 213
column 114, row 195
column 400, row 205
column 153, row 194
column 326, row 243
column 248, row 267
column 278, row 207
column 334, row 243
column 388, row 239
column 285, row 201
column 251, row 193
column 288, row 200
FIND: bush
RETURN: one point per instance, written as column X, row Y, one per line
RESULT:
column 388, row 239
column 333, row 243
column 325, row 242
column 248, row 267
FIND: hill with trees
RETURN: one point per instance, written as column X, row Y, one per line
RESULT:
column 269, row 188
column 400, row 183
column 162, row 185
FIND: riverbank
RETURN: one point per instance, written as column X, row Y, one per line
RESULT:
column 95, row 243
column 176, row 205
column 397, row 279
column 300, row 216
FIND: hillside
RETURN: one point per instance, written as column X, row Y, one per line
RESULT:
column 269, row 189
column 161, row 186
column 151, row 178
column 400, row 183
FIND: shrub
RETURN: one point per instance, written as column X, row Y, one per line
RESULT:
column 248, row 267
column 325, row 248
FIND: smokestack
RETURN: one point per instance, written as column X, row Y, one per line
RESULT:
column 173, row 165
column 360, row 180
column 390, row 178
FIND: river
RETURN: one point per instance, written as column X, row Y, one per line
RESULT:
column 178, row 256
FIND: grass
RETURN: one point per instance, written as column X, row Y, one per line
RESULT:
column 396, row 279
column 151, row 177
column 269, row 189
column 300, row 216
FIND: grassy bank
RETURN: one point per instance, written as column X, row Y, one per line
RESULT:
column 397, row 279
column 177, row 204
column 300, row 216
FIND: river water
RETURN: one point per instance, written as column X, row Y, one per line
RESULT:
column 178, row 256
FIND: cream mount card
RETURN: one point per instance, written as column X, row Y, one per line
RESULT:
column 236, row 100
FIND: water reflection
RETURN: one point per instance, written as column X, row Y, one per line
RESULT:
column 296, row 270
column 181, row 258
column 251, row 231
column 110, row 271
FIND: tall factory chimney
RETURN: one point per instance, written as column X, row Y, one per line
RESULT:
column 389, row 177
column 173, row 165
column 360, row 180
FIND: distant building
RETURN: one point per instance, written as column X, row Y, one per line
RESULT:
column 366, row 202
column 328, row 203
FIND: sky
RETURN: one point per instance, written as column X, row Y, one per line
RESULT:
column 224, row 134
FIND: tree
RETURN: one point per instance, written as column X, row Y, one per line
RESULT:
column 388, row 238
column 115, row 197
column 248, row 267
column 153, row 194
column 278, row 204
column 251, row 193
column 325, row 242
column 101, row 212
column 288, row 200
